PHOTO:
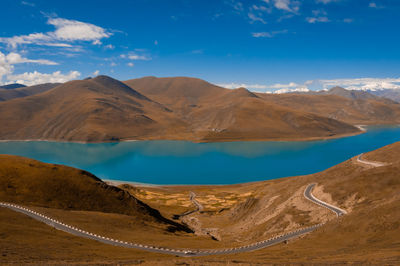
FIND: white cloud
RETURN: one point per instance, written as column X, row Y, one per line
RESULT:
column 8, row 61
column 5, row 67
column 66, row 30
column 33, row 78
column 258, row 12
column 236, row 5
column 319, row 15
column 274, row 88
column 317, row 19
column 363, row 83
column 283, row 86
column 239, row 85
column 38, row 38
column 71, row 30
column 26, row 3
column 113, row 64
column 96, row 73
column 371, row 84
column 138, row 57
column 262, row 35
column 56, row 44
column 109, row 46
column 256, row 18
column 319, row 12
column 375, row 5
column 287, row 5
column 268, row 34
column 261, row 8
column 130, row 64
column 287, row 90
column 14, row 58
column 135, row 56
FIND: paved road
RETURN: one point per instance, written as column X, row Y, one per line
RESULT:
column 198, row 205
column 308, row 195
column 373, row 164
column 178, row 252
column 195, row 202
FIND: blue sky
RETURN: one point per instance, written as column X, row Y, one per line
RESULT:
column 261, row 44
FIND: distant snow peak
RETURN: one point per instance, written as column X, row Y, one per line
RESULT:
column 364, row 84
column 360, row 84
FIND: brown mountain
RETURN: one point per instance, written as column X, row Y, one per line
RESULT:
column 351, row 94
column 180, row 94
column 347, row 106
column 339, row 91
column 105, row 109
column 97, row 109
column 393, row 94
column 216, row 114
column 7, row 94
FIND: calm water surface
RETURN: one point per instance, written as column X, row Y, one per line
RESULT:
column 182, row 162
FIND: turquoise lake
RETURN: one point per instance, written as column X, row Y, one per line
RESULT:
column 182, row 162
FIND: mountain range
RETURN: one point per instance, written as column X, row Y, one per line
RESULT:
column 393, row 94
column 182, row 108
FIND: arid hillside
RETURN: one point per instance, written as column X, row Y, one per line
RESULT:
column 99, row 109
column 217, row 114
column 393, row 94
column 180, row 108
column 235, row 215
column 353, row 107
column 176, row 92
column 34, row 183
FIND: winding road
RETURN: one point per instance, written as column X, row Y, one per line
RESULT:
column 195, row 202
column 199, row 207
column 308, row 195
column 177, row 252
column 373, row 164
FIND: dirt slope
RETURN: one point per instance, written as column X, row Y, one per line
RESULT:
column 33, row 183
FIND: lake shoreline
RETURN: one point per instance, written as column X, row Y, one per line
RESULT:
column 117, row 183
column 185, row 164
column 361, row 131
